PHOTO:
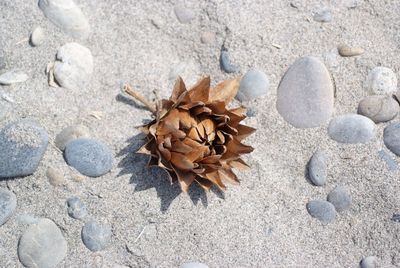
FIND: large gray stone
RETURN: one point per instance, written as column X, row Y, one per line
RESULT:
column 8, row 204
column 254, row 84
column 391, row 137
column 351, row 128
column 22, row 146
column 322, row 210
column 378, row 108
column 306, row 94
column 96, row 236
column 42, row 245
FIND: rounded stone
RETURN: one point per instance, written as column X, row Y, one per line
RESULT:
column 391, row 137
column 42, row 245
column 89, row 156
column 13, row 77
column 183, row 14
column 193, row 265
column 71, row 133
column 55, row 176
column 207, row 37
column 96, row 236
column 22, row 146
column 317, row 168
column 226, row 63
column 8, row 204
column 306, row 94
column 381, row 80
column 254, row 84
column 369, row 262
column 351, row 128
column 322, row 210
column 76, row 209
column 37, row 36
column 340, row 198
column 378, row 108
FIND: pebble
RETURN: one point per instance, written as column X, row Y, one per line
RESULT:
column 193, row 265
column 391, row 137
column 74, row 66
column 346, row 51
column 22, row 146
column 183, row 14
column 317, row 168
column 96, row 236
column 13, row 77
column 323, row 15
column 390, row 162
column 369, row 262
column 89, row 156
column 322, row 210
column 76, row 209
column 8, row 204
column 351, row 128
column 379, row 108
column 71, row 133
column 37, row 36
column 254, row 84
column 381, row 80
column 66, row 15
column 226, row 63
column 340, row 198
column 55, row 176
column 396, row 217
column 306, row 94
column 207, row 37
column 42, row 245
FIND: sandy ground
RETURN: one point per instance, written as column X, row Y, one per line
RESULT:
column 263, row 222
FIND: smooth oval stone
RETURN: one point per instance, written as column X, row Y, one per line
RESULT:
column 42, row 245
column 74, row 66
column 254, row 84
column 381, row 80
column 369, row 262
column 193, row 265
column 76, row 209
column 37, row 36
column 340, row 198
column 8, row 204
column 351, row 128
column 13, row 77
column 183, row 14
column 207, row 37
column 317, row 168
column 391, row 137
column 96, row 236
column 322, row 210
column 22, row 146
column 71, row 133
column 66, row 15
column 378, row 108
column 226, row 63
column 306, row 94
column 89, row 156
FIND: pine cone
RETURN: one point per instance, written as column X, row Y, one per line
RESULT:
column 196, row 138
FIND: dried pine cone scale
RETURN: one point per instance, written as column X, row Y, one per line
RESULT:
column 195, row 138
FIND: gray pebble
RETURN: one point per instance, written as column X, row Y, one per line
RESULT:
column 381, row 80
column 351, row 128
column 89, row 156
column 183, row 14
column 22, row 146
column 378, row 108
column 96, row 236
column 76, row 209
column 317, row 168
column 322, row 210
column 323, row 15
column 13, row 77
column 396, row 217
column 193, row 265
column 306, row 94
column 226, row 63
column 42, row 245
column 369, row 262
column 340, row 198
column 254, row 84
column 8, row 204
column 37, row 36
column 71, row 133
column 391, row 137
column 390, row 162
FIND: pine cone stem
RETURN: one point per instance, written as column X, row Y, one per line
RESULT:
column 133, row 93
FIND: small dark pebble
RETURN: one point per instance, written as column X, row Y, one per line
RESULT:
column 396, row 217
column 226, row 64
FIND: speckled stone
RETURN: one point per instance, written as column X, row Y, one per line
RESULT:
column 378, row 108
column 96, row 236
column 381, row 80
column 340, row 198
column 8, row 204
column 322, row 210
column 351, row 128
column 317, row 168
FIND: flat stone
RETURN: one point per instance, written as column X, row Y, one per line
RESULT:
column 37, row 36
column 22, row 146
column 254, row 84
column 183, row 14
column 89, row 156
column 340, row 198
column 391, row 137
column 13, row 77
column 306, row 94
column 71, row 133
column 55, row 176
column 381, row 80
column 96, row 236
column 66, row 15
column 42, row 245
column 193, row 265
column 317, row 168
column 378, row 108
column 226, row 63
column 351, row 128
column 322, row 210
column 369, row 262
column 323, row 15
column 8, row 204
column 74, row 66
column 76, row 209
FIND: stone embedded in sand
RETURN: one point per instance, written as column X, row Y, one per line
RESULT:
column 391, row 137
column 322, row 210
column 381, row 80
column 74, row 66
column 42, row 245
column 76, row 209
column 323, row 15
column 13, row 77
column 70, row 133
column 66, row 15
column 8, row 204
column 351, row 128
column 193, row 265
column 340, row 198
column 207, row 37
column 378, row 108
column 317, row 168
column 96, row 236
column 226, row 63
column 22, row 146
column 387, row 158
column 306, row 94
column 183, row 14
column 55, row 176
column 254, row 84
column 369, row 262
column 37, row 36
